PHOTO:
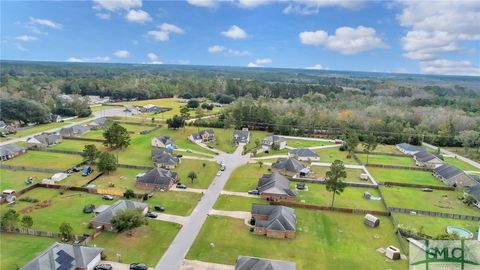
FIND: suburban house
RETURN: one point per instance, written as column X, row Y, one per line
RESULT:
column 427, row 160
column 409, row 149
column 43, row 140
column 55, row 118
column 62, row 256
column 252, row 263
column 162, row 141
column 274, row 221
column 103, row 219
column 98, row 123
column 74, row 131
column 164, row 159
column 11, row 150
column 290, row 167
column 453, row 176
column 273, row 141
column 275, row 187
column 473, row 192
column 157, row 178
column 203, row 136
column 303, row 154
column 6, row 128
column 150, row 108
column 241, row 136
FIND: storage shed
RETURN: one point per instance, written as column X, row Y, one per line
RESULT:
column 371, row 221
column 392, row 253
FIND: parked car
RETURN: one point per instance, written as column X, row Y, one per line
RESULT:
column 103, row 266
column 107, row 197
column 301, row 186
column 189, row 151
column 181, row 186
column 138, row 266
column 253, row 192
column 219, row 173
column 223, row 168
column 89, row 209
column 209, row 146
column 87, row 170
column 159, row 208
column 152, row 214
column 179, row 156
column 75, row 169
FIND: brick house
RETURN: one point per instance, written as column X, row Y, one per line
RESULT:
column 269, row 142
column 427, row 160
column 9, row 151
column 275, row 187
column 74, row 131
column 43, row 140
column 274, row 221
column 453, row 176
column 252, row 263
column 157, row 178
column 162, row 141
column 303, row 154
column 409, row 149
column 241, row 136
column 290, row 167
column 203, row 136
column 103, row 219
column 164, row 159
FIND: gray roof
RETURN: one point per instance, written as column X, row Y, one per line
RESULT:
column 99, row 122
column 474, row 191
column 280, row 218
column 273, row 139
column 252, row 263
column 447, row 171
column 424, row 156
column 106, row 215
column 275, row 183
column 60, row 256
column 163, row 157
column 10, row 149
column 410, row 148
column 47, row 138
column 241, row 135
column 199, row 135
column 289, row 164
column 303, row 152
column 157, row 176
column 165, row 139
column 73, row 130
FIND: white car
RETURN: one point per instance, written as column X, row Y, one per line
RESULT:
column 219, row 173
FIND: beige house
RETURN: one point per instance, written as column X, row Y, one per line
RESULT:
column 453, row 176
column 274, row 221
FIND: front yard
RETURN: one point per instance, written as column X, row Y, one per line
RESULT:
column 246, row 177
column 49, row 160
column 329, row 155
column 175, row 202
column 205, row 174
column 236, row 203
column 75, row 145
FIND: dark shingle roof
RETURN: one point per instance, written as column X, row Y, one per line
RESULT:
column 303, row 152
column 280, row 218
column 163, row 157
column 106, row 215
column 290, row 165
column 99, row 122
column 199, row 135
column 474, row 191
column 275, row 183
column 157, row 176
column 241, row 135
column 10, row 149
column 252, row 263
column 76, row 129
column 447, row 171
column 47, row 138
column 273, row 139
column 424, row 156
column 165, row 139
column 410, row 148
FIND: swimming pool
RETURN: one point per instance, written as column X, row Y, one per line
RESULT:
column 464, row 233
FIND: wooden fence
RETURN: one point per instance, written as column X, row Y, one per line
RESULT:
column 434, row 214
column 322, row 182
column 388, row 183
column 334, row 209
column 398, row 167
column 28, row 168
column 382, row 154
column 128, row 166
column 83, row 139
column 137, row 124
column 57, row 151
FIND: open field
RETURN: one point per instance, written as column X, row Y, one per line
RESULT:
column 36, row 129
column 246, row 177
column 383, row 148
column 387, row 160
column 306, row 143
column 102, row 108
column 224, row 139
column 324, row 240
column 48, row 160
column 175, row 202
column 10, row 179
column 438, row 200
column 205, row 174
column 17, row 249
column 472, row 153
column 329, row 155
column 353, row 175
column 236, row 203
column 77, row 146
column 460, row 164
column 147, row 244
column 404, row 176
column 134, row 130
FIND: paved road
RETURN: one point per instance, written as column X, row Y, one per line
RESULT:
column 174, row 256
column 469, row 161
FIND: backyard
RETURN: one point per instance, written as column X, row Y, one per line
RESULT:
column 17, row 249
column 49, row 160
column 205, row 174
column 404, row 176
column 353, row 175
column 299, row 143
column 11, row 179
column 460, row 164
column 76, row 145
column 387, row 160
column 329, row 155
column 236, row 203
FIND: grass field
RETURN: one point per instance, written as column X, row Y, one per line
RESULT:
column 236, row 203
column 404, row 176
column 48, row 160
column 272, row 153
column 246, row 177
column 224, row 139
column 472, row 153
column 438, row 200
column 77, row 180
column 331, row 154
column 352, row 197
column 146, row 245
column 122, row 179
column 296, row 143
column 324, row 240
column 17, row 249
column 387, row 160
column 36, row 129
column 460, row 164
column 134, row 130
column 353, row 175
column 77, row 146
column 10, row 179
column 205, row 174
column 175, row 202
column 383, row 148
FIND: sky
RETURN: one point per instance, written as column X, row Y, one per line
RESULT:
column 429, row 37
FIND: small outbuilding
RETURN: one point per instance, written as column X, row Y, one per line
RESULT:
column 371, row 221
column 367, row 195
column 392, row 253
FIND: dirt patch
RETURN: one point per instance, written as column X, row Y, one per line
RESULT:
column 39, row 205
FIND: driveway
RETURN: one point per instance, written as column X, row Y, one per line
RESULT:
column 235, row 193
column 199, row 265
column 232, row 214
column 120, row 266
column 172, row 218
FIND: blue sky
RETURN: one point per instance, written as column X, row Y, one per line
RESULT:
column 435, row 37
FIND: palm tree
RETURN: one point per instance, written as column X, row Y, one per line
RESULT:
column 192, row 175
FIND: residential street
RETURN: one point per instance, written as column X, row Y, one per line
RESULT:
column 174, row 256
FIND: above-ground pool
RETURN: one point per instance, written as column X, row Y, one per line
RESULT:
column 463, row 233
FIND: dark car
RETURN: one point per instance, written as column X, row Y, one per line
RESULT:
column 107, row 197
column 253, row 192
column 138, row 266
column 143, row 132
column 209, row 146
column 152, row 214
column 181, row 186
column 103, row 267
column 89, row 209
column 223, row 168
column 179, row 156
column 75, row 169
column 159, row 208
column 301, row 186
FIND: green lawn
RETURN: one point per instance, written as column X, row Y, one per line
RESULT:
column 460, row 164
column 404, row 176
column 205, row 174
column 387, row 160
column 77, row 180
column 324, row 240
column 98, row 134
column 236, row 203
column 10, row 179
column 272, row 153
column 38, row 159
column 352, row 197
column 17, row 249
column 439, row 200
column 329, row 155
column 472, row 153
column 246, row 177
column 119, row 180
column 296, row 143
column 36, row 129
column 175, row 202
column 353, row 175
column 383, row 148
column 146, row 245
column 77, row 146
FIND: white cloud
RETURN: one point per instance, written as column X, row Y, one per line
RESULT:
column 45, row 22
column 26, row 38
column 203, row 3
column 89, row 59
column 444, row 66
column 164, row 33
column 156, row 62
column 235, row 32
column 253, row 3
column 346, row 40
column 216, row 49
column 116, row 5
column 103, row 16
column 308, row 7
column 121, row 53
column 250, row 64
column 182, row 62
column 260, row 62
column 138, row 16
column 237, row 52
column 317, row 67
column 152, row 56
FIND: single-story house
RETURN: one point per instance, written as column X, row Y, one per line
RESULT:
column 275, row 187
column 409, row 149
column 274, row 141
column 55, row 118
column 252, row 263
column 74, row 131
column 427, row 160
column 290, row 167
column 157, row 178
column 9, row 151
column 162, row 141
column 274, row 221
column 150, row 108
column 303, row 154
column 164, row 159
column 203, row 136
column 104, row 218
column 98, row 123
column 474, row 192
column 62, row 256
column 241, row 136
column 6, row 128
column 43, row 140
column 453, row 176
